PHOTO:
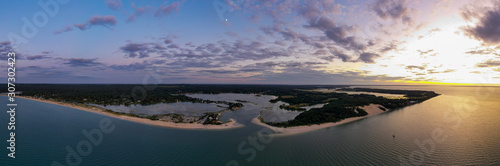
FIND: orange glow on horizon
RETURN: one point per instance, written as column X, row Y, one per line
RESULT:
column 444, row 83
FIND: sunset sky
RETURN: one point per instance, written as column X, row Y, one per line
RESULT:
column 253, row 42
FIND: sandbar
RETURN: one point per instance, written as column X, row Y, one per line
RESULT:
column 229, row 125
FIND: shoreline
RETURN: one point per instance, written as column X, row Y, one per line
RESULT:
column 371, row 109
column 229, row 125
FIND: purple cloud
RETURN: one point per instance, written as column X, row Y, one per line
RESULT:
column 132, row 67
column 105, row 21
column 138, row 50
column 488, row 27
column 5, row 48
column 44, row 55
column 165, row 10
column 114, row 4
column 139, row 11
column 411, row 67
column 102, row 20
column 81, row 62
column 66, row 29
column 368, row 57
column 393, row 9
column 82, row 26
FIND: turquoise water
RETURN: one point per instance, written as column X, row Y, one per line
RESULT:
column 468, row 117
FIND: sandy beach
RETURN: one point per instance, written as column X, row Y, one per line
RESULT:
column 372, row 109
column 229, row 125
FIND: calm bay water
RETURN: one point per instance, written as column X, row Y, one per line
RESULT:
column 468, row 117
column 186, row 108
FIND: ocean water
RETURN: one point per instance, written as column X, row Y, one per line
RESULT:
column 459, row 127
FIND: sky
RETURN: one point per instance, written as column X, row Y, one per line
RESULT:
column 253, row 42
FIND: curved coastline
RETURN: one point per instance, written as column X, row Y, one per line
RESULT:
column 229, row 125
column 372, row 109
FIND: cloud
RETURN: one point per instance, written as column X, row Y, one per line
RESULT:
column 82, row 62
column 425, row 52
column 286, row 64
column 309, row 76
column 341, row 55
column 321, row 52
column 139, row 50
column 132, row 67
column 66, row 29
column 224, row 52
column 489, row 63
column 434, row 30
column 193, row 63
column 220, row 71
column 5, row 48
column 250, row 70
column 338, row 34
column 42, row 74
column 139, row 11
column 433, row 71
column 392, row 46
column 44, row 55
column 368, row 57
column 114, row 4
column 266, row 67
column 410, row 67
column 82, row 26
column 487, row 29
column 37, row 57
column 392, row 9
column 165, row 10
column 319, row 16
column 316, row 8
column 105, row 21
column 102, row 20
column 486, row 51
column 289, row 34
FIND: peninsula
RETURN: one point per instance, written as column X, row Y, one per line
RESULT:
column 335, row 105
